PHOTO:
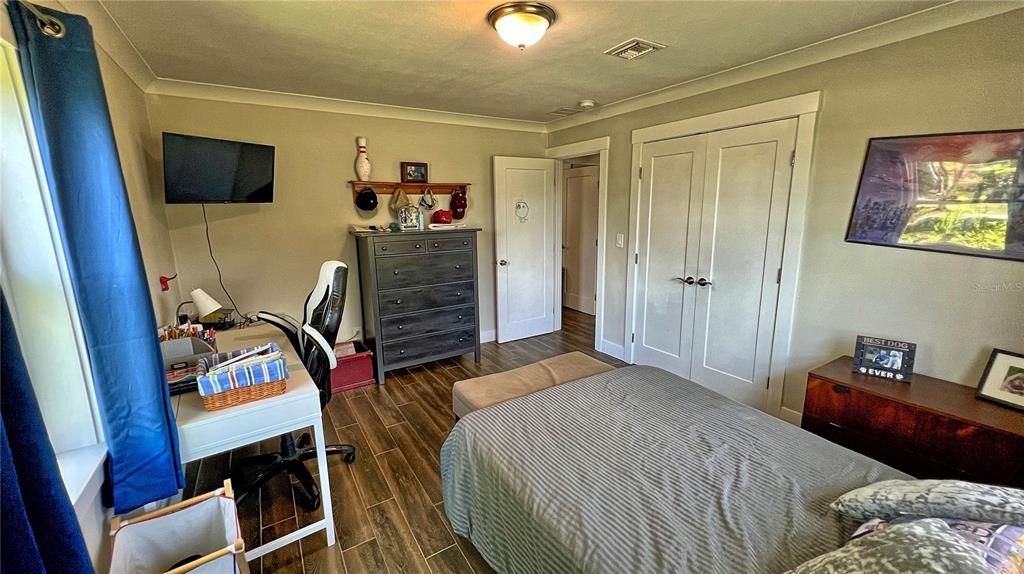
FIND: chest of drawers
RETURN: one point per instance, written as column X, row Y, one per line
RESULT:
column 929, row 428
column 420, row 296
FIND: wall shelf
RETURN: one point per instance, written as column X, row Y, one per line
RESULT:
column 389, row 187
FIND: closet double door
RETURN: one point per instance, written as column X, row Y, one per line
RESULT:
column 712, row 219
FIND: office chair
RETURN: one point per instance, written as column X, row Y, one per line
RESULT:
column 314, row 343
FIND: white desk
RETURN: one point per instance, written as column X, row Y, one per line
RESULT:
column 202, row 433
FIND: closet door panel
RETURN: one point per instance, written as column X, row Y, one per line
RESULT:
column 669, row 215
column 746, row 193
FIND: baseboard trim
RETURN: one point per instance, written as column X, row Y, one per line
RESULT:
column 614, row 349
column 790, row 416
column 488, row 336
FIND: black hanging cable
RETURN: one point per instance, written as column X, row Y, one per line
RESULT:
column 220, row 276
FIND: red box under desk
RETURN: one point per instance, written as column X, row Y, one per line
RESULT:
column 354, row 370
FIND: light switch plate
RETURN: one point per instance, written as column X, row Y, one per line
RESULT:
column 620, row 240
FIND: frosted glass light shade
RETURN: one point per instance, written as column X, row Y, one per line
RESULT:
column 204, row 303
column 521, row 30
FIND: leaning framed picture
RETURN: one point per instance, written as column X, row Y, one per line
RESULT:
column 1003, row 380
column 956, row 193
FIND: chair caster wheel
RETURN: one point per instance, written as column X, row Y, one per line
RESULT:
column 350, row 458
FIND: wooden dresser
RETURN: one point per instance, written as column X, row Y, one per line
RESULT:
column 420, row 296
column 929, row 428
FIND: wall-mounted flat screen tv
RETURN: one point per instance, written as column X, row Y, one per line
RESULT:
column 207, row 170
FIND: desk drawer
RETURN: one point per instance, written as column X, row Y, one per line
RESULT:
column 409, row 270
column 399, row 247
column 451, row 243
column 400, row 301
column 405, row 326
column 412, row 350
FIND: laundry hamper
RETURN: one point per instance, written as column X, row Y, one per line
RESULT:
column 199, row 535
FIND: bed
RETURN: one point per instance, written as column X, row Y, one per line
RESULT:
column 638, row 470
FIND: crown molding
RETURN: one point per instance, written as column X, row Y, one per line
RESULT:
column 948, row 15
column 201, row 91
column 109, row 37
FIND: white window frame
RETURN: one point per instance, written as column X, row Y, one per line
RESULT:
column 35, row 280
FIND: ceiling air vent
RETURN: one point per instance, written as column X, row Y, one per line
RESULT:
column 565, row 112
column 634, row 48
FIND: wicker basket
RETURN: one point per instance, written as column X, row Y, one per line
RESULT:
column 243, row 395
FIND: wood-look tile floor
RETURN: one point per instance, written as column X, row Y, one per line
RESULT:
column 388, row 510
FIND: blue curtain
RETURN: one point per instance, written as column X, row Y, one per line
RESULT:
column 38, row 528
column 76, row 140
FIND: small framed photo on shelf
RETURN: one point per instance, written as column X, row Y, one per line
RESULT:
column 884, row 358
column 1003, row 380
column 414, row 172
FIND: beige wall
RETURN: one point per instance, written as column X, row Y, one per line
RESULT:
column 956, row 308
column 131, row 130
column 270, row 254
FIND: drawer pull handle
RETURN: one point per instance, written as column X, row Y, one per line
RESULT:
column 462, row 339
column 396, row 271
column 400, row 327
column 834, row 425
column 417, row 246
column 398, row 301
column 401, row 352
column 459, row 317
column 383, row 247
column 458, row 266
column 437, row 245
column 458, row 293
column 465, row 243
column 841, row 389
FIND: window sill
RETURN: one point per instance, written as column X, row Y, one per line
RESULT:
column 82, row 471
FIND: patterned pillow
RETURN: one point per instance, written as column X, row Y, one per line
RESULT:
column 925, row 546
column 1001, row 545
column 934, row 498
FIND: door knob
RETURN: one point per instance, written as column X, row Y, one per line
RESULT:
column 703, row 282
column 688, row 280
column 503, row 263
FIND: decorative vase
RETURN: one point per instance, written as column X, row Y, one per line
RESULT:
column 362, row 163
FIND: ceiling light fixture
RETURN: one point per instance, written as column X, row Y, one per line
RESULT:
column 521, row 24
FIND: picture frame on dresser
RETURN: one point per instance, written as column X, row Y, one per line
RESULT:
column 885, row 358
column 1003, row 379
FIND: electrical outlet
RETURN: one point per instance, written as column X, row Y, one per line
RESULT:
column 620, row 240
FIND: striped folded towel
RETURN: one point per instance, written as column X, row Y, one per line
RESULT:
column 265, row 364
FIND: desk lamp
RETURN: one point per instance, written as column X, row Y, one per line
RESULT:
column 204, row 305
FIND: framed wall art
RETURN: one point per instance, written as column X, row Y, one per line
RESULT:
column 956, row 193
column 1003, row 380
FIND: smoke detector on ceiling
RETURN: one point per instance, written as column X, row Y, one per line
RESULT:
column 586, row 104
column 634, row 48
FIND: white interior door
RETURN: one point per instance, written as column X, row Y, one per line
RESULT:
column 579, row 238
column 525, row 245
column 669, row 216
column 743, row 223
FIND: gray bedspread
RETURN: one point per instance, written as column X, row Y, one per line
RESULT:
column 638, row 470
